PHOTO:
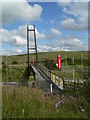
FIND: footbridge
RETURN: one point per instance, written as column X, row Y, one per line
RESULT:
column 42, row 75
column 45, row 78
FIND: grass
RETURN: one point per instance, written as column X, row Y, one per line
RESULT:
column 14, row 73
column 21, row 59
column 23, row 102
column 66, row 73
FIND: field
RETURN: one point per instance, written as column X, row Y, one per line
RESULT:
column 15, row 71
column 25, row 102
column 21, row 59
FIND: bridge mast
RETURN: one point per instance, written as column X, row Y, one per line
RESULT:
column 35, row 44
column 28, row 48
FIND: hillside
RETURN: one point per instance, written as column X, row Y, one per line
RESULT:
column 21, row 59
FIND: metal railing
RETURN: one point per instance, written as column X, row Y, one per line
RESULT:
column 56, row 79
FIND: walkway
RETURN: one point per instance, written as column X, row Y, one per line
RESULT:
column 43, row 81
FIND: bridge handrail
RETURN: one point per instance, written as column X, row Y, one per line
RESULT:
column 50, row 71
column 44, row 67
column 58, row 80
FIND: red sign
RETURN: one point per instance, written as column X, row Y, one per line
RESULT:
column 59, row 61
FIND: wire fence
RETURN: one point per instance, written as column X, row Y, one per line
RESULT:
column 61, row 82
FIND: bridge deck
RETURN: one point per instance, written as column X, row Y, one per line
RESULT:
column 44, row 82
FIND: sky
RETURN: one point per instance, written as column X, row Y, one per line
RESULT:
column 59, row 26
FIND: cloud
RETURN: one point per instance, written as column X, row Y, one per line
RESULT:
column 11, row 38
column 40, row 35
column 19, row 40
column 68, row 2
column 9, row 52
column 69, row 44
column 56, row 32
column 18, row 37
column 52, row 21
column 21, row 11
column 72, row 44
column 47, row 48
column 79, row 11
column 6, row 37
column 72, row 25
column 81, row 0
column 64, row 3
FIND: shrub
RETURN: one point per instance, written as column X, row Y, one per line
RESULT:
column 14, row 62
column 2, row 63
column 49, row 64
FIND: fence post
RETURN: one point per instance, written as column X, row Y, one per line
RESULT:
column 11, row 73
column 59, row 81
column 51, row 88
column 63, row 85
column 55, row 78
column 50, row 74
column 66, row 60
column 6, row 69
column 73, row 74
column 82, row 61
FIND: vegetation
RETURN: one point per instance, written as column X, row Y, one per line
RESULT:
column 3, row 63
column 13, row 73
column 14, row 62
column 28, row 75
column 42, row 56
column 66, row 73
column 77, row 61
column 23, row 102
column 49, row 64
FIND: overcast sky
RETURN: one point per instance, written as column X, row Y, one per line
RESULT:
column 59, row 26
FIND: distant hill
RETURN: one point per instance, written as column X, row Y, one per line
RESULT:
column 21, row 59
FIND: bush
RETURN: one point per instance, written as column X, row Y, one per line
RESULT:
column 49, row 64
column 2, row 63
column 14, row 62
